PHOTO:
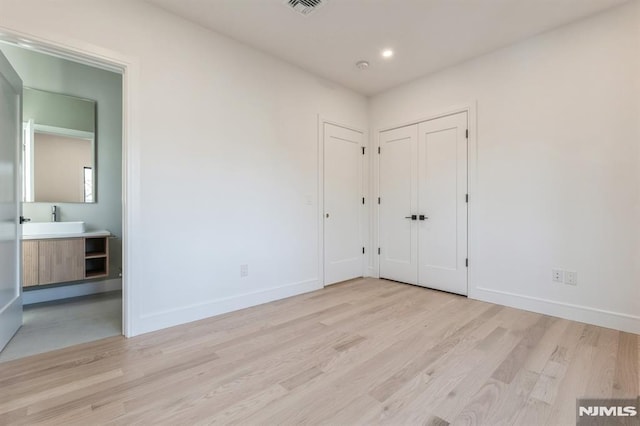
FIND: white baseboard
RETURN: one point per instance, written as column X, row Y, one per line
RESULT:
column 72, row 290
column 600, row 317
column 171, row 317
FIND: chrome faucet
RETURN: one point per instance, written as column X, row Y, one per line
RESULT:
column 54, row 213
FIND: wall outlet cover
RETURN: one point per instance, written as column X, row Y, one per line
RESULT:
column 244, row 270
column 557, row 275
column 571, row 277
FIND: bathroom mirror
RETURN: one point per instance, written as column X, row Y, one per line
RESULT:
column 59, row 148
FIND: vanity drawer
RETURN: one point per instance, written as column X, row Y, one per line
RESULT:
column 60, row 260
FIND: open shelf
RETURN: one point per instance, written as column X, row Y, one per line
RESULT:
column 91, row 275
column 96, row 246
column 96, row 257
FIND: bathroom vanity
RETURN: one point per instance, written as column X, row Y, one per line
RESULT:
column 60, row 258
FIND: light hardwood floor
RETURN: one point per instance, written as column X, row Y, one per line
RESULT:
column 363, row 352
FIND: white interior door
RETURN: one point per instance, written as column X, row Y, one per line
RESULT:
column 10, row 131
column 399, row 204
column 343, row 192
column 442, row 190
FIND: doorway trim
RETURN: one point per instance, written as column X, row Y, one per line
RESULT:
column 98, row 57
column 365, row 172
column 472, row 178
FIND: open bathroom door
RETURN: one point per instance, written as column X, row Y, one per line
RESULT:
column 10, row 197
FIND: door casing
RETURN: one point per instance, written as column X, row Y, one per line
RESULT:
column 86, row 53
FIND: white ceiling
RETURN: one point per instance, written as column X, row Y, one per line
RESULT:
column 426, row 35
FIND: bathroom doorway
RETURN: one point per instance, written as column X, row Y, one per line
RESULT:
column 71, row 268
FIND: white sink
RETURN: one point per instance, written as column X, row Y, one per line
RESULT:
column 51, row 228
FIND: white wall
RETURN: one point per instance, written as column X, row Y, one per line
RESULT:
column 227, row 153
column 227, row 156
column 558, row 182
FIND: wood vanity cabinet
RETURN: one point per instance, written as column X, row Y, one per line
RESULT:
column 30, row 263
column 58, row 260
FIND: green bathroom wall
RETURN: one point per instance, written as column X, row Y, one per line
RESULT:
column 55, row 109
column 55, row 75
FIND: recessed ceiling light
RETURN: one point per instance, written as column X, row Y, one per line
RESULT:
column 387, row 53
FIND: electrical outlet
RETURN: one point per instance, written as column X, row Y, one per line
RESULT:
column 557, row 275
column 244, row 270
column 571, row 278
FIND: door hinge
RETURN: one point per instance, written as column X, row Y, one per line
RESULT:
column 378, row 200
column 378, row 150
column 466, row 262
column 362, row 200
column 363, row 150
column 378, row 250
column 467, row 134
column 466, row 198
column 362, row 250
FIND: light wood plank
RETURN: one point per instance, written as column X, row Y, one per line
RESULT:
column 625, row 384
column 364, row 352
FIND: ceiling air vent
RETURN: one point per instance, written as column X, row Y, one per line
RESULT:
column 305, row 7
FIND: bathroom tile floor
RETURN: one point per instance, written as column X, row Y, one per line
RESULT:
column 54, row 325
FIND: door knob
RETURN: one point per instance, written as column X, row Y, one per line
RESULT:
column 412, row 217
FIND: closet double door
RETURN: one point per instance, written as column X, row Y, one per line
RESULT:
column 423, row 204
